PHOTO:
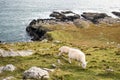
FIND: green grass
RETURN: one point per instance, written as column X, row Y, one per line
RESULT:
column 100, row 56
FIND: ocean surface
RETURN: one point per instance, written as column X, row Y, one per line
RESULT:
column 15, row 15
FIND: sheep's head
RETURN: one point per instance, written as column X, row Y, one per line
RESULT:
column 64, row 49
column 84, row 65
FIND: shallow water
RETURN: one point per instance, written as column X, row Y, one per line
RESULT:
column 16, row 14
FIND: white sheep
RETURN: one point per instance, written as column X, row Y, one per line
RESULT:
column 74, row 54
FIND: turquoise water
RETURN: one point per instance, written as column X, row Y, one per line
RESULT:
column 16, row 14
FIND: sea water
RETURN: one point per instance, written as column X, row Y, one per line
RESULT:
column 15, row 15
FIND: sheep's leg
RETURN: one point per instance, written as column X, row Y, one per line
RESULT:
column 60, row 54
column 69, row 60
column 79, row 64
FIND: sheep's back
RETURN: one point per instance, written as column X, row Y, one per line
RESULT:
column 76, row 54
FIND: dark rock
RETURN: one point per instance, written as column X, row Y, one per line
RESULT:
column 93, row 17
column 36, row 33
column 65, row 15
column 66, row 12
column 116, row 13
column 57, row 15
column 33, row 22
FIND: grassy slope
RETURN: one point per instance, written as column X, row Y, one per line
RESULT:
column 92, row 41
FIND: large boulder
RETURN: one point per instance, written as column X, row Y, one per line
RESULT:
column 36, row 73
column 65, row 15
column 116, row 13
column 94, row 17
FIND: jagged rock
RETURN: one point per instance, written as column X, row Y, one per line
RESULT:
column 65, row 15
column 116, row 13
column 35, row 73
column 37, row 33
column 82, row 23
column 5, row 53
column 9, row 67
column 93, row 17
column 33, row 22
column 9, row 78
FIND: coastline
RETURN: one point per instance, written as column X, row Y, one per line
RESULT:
column 97, row 35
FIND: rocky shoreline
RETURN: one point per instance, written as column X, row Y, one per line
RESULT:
column 37, row 29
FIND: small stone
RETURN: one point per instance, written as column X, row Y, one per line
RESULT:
column 109, row 70
column 9, row 67
column 54, row 66
column 59, row 62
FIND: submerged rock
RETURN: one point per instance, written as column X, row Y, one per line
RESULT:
column 12, row 53
column 36, row 73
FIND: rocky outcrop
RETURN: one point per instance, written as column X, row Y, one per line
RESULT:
column 36, row 73
column 12, row 53
column 94, row 17
column 65, row 15
column 39, row 28
column 8, row 67
column 36, row 30
column 116, row 13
